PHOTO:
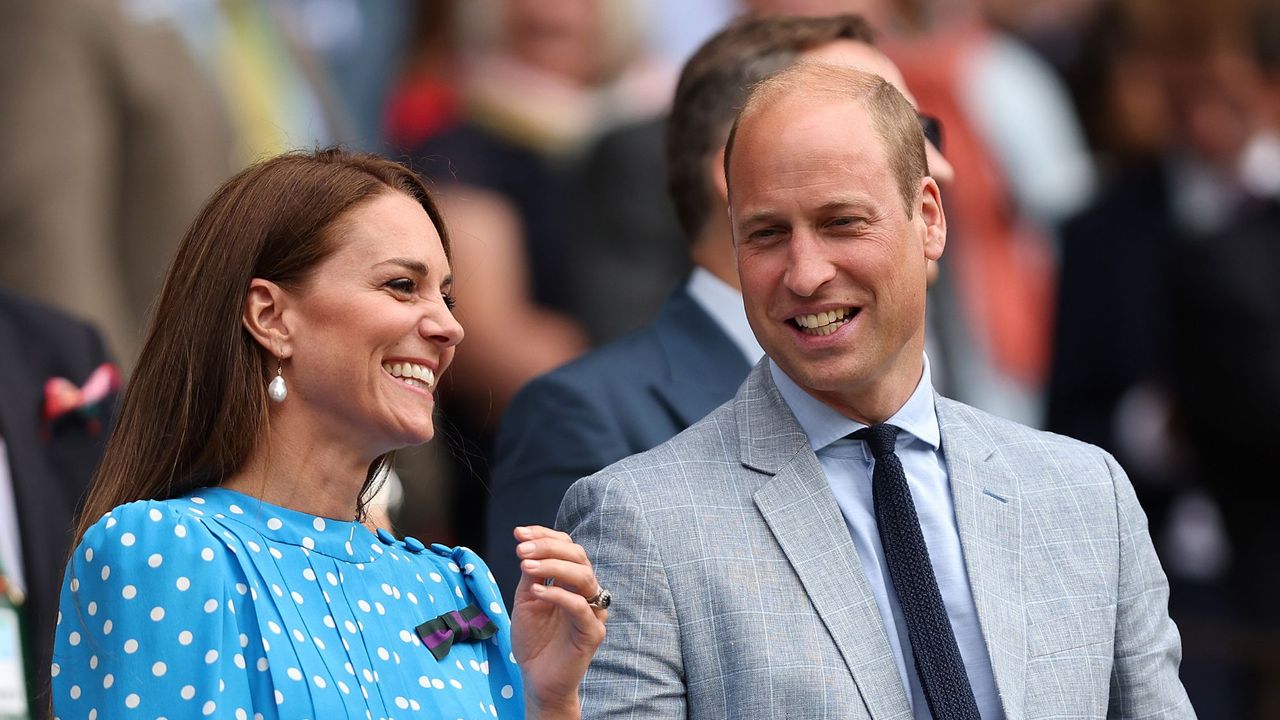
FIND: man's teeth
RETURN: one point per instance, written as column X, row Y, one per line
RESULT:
column 823, row 323
column 412, row 374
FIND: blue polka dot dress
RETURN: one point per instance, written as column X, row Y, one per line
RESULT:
column 219, row 605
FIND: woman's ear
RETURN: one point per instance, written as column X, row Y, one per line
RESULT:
column 265, row 318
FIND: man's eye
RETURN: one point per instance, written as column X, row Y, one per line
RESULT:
column 403, row 286
column 852, row 225
column 449, row 301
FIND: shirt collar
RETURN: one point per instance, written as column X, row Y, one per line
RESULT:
column 724, row 305
column 823, row 425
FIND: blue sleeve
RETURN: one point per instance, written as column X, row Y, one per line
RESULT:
column 147, row 621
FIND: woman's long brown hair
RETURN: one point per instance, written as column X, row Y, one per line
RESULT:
column 196, row 406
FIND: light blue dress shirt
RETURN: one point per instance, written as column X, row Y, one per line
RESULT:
column 723, row 303
column 848, row 464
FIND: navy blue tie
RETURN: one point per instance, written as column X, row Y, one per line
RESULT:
column 933, row 643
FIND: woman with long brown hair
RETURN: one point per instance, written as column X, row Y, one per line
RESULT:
column 221, row 568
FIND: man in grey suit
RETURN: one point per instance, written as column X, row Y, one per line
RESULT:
column 838, row 540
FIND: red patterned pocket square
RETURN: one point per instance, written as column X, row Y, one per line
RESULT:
column 62, row 397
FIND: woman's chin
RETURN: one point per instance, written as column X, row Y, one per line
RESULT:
column 413, row 437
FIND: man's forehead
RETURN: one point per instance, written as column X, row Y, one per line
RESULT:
column 830, row 145
column 826, row 119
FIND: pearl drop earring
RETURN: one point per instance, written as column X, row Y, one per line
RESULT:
column 277, row 390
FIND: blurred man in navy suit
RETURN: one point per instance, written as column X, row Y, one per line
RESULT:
column 57, row 396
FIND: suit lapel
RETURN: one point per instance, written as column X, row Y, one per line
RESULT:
column 705, row 366
column 802, row 514
column 988, row 514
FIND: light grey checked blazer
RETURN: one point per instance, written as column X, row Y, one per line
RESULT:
column 738, row 592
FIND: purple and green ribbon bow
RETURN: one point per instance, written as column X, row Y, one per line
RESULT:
column 440, row 633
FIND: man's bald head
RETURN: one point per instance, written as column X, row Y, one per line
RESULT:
column 893, row 117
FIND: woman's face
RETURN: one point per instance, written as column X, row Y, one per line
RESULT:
column 372, row 330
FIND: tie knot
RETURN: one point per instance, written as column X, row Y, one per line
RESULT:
column 880, row 438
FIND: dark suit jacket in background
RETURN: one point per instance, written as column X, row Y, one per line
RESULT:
column 624, row 398
column 630, row 248
column 50, row 472
column 1226, row 382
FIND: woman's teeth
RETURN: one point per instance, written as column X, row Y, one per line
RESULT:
column 823, row 323
column 412, row 374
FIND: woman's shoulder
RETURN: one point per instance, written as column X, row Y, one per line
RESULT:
column 151, row 534
column 149, row 521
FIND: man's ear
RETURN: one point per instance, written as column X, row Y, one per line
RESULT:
column 265, row 318
column 934, row 219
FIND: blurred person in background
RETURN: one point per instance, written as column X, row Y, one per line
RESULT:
column 537, row 81
column 57, row 400
column 1110, row 375
column 425, row 96
column 114, row 136
column 265, row 57
column 1166, row 339
column 1022, row 167
column 152, row 104
column 360, row 45
column 1226, row 321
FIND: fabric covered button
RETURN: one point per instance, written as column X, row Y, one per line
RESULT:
column 414, row 545
column 385, row 537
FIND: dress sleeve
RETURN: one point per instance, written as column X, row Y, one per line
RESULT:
column 147, row 621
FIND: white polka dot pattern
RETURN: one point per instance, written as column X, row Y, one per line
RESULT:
column 219, row 605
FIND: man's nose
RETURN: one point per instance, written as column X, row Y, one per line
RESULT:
column 808, row 267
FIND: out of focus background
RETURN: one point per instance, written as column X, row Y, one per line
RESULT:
column 1113, row 269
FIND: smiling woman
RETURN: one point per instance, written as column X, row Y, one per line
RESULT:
column 222, row 568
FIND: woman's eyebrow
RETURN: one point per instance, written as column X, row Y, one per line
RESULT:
column 406, row 263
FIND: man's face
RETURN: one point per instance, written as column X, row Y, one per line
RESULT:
column 861, row 56
column 832, row 268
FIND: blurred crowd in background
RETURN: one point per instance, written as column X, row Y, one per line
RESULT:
column 1111, row 271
